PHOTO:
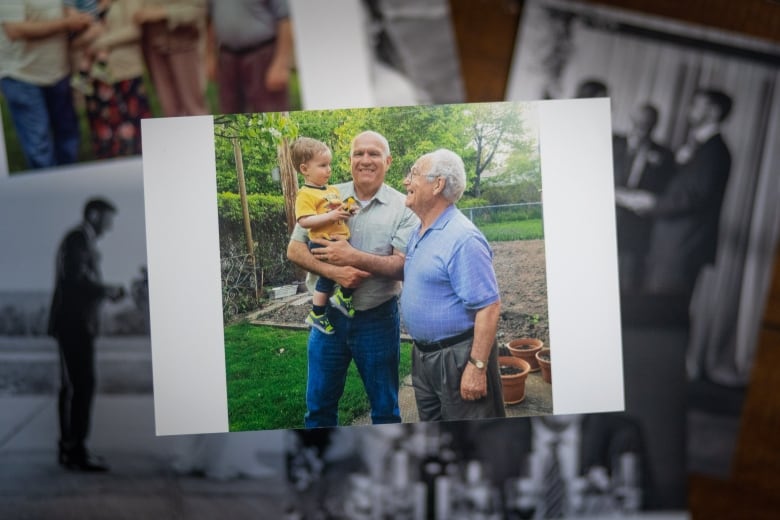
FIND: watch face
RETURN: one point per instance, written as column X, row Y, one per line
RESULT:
column 478, row 363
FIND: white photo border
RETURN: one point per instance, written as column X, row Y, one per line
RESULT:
column 187, row 332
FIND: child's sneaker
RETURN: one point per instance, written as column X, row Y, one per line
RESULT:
column 342, row 303
column 80, row 82
column 321, row 322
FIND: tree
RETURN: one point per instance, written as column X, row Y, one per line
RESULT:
column 497, row 128
column 410, row 131
column 519, row 179
column 260, row 136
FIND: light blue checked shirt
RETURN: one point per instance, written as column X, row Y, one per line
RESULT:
column 448, row 277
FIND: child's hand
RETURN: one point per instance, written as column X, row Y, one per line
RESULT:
column 339, row 214
column 351, row 206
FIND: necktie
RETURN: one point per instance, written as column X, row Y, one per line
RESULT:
column 685, row 153
column 554, row 492
column 637, row 167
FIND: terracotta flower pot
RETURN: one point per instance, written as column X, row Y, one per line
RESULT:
column 513, row 384
column 526, row 349
column 543, row 357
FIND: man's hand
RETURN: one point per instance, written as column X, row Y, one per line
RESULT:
column 278, row 76
column 473, row 383
column 350, row 277
column 346, row 276
column 335, row 252
column 150, row 14
column 638, row 201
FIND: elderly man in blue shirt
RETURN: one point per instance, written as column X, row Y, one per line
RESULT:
column 450, row 301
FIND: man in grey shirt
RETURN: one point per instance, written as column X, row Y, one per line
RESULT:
column 372, row 261
column 254, row 56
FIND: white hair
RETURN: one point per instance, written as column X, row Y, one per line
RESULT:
column 449, row 165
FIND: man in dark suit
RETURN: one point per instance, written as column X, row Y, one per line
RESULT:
column 686, row 215
column 73, row 321
column 640, row 163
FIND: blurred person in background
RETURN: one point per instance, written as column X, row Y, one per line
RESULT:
column 35, row 78
column 640, row 163
column 118, row 101
column 74, row 321
column 174, row 44
column 254, row 54
column 84, row 63
column 687, row 213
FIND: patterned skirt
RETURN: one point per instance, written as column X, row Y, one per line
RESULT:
column 114, row 113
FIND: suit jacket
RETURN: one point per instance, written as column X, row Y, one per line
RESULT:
column 656, row 171
column 78, row 288
column 685, row 234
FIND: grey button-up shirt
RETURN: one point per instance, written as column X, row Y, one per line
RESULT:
column 381, row 226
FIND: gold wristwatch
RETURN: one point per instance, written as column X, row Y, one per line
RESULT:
column 477, row 363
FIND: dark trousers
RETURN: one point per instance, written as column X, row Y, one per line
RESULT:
column 241, row 79
column 436, row 381
column 77, row 388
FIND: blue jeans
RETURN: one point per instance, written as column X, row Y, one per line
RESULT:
column 372, row 339
column 45, row 121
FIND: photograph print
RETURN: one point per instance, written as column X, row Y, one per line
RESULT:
column 376, row 53
column 695, row 146
column 333, row 251
column 327, row 183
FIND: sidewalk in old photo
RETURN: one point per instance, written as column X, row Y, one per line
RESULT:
column 143, row 481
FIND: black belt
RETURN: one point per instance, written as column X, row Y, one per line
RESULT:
column 433, row 346
column 248, row 48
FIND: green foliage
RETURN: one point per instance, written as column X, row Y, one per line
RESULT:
column 269, row 234
column 472, row 202
column 411, row 132
column 523, row 191
column 261, row 206
column 259, row 137
column 266, row 379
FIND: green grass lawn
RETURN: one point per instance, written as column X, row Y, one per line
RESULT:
column 266, row 379
column 518, row 230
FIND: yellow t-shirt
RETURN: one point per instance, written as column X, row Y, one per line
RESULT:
column 312, row 200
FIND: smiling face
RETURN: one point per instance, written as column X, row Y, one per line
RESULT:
column 370, row 159
column 420, row 191
column 317, row 170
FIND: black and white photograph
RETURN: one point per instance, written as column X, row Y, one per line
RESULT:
column 373, row 53
column 241, row 372
column 561, row 466
column 76, row 400
column 695, row 122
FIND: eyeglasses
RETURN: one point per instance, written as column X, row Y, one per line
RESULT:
column 414, row 171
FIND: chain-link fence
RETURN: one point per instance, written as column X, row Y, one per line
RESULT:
column 521, row 221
